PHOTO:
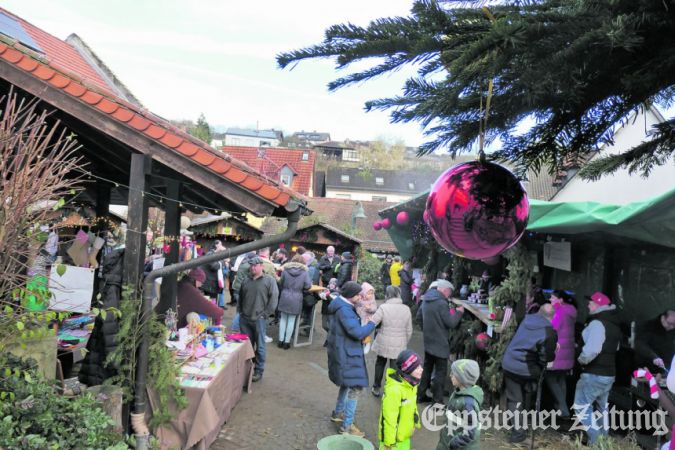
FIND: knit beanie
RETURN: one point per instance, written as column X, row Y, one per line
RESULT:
column 350, row 289
column 466, row 371
column 365, row 287
column 406, row 363
column 197, row 274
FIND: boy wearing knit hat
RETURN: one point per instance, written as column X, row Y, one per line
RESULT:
column 463, row 408
column 399, row 416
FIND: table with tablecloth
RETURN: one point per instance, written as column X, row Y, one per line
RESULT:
column 198, row 425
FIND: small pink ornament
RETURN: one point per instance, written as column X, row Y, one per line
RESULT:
column 482, row 340
column 377, row 226
column 386, row 223
column 402, row 218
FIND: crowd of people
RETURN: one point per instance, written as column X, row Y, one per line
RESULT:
column 544, row 350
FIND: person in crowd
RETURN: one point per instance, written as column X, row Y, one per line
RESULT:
column 225, row 270
column 601, row 338
column 525, row 359
column 385, row 278
column 406, row 281
column 309, row 299
column 300, row 250
column 346, row 362
column 655, row 341
column 268, row 265
column 365, row 308
column 345, row 269
column 327, row 265
column 282, row 257
column 243, row 273
column 393, row 271
column 392, row 338
column 465, row 401
column 328, row 296
column 436, row 320
column 190, row 299
column 312, row 267
column 213, row 283
column 294, row 280
column 399, row 417
column 564, row 319
column 258, row 299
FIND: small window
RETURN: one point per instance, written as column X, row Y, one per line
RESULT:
column 305, row 156
column 379, row 198
column 347, row 196
column 344, row 178
column 286, row 179
column 379, row 181
column 350, row 155
column 411, row 186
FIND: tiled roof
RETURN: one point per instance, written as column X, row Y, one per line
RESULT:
column 63, row 68
column 392, row 180
column 274, row 159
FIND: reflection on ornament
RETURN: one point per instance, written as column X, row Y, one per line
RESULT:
column 402, row 218
column 377, row 226
column 491, row 261
column 386, row 223
column 482, row 340
column 477, row 210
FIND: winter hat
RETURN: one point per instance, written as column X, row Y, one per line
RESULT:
column 332, row 282
column 346, row 254
column 255, row 260
column 406, row 363
column 599, row 299
column 350, row 289
column 466, row 371
column 197, row 274
column 365, row 287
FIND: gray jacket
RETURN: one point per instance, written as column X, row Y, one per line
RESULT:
column 435, row 319
column 294, row 280
column 258, row 298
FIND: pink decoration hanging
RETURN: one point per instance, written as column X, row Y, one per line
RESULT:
column 402, row 218
column 377, row 226
column 477, row 210
column 386, row 223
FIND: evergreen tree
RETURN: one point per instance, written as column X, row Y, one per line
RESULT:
column 201, row 130
column 577, row 67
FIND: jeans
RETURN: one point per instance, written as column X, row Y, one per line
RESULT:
column 591, row 395
column 286, row 327
column 556, row 381
column 520, row 397
column 221, row 298
column 440, row 373
column 380, row 364
column 256, row 330
column 347, row 399
column 235, row 324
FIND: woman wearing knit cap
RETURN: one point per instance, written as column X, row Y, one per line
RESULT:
column 463, row 408
column 399, row 416
column 190, row 299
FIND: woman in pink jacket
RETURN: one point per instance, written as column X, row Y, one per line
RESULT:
column 563, row 322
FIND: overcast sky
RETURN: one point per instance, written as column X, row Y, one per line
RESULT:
column 217, row 57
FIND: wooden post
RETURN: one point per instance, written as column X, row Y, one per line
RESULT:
column 137, row 221
column 167, row 299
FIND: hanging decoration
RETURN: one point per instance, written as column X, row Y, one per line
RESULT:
column 482, row 340
column 402, row 218
column 386, row 223
column 377, row 226
column 477, row 210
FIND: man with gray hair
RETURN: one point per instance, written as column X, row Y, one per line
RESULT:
column 327, row 265
column 436, row 320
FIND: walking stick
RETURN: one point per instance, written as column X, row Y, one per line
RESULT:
column 537, row 405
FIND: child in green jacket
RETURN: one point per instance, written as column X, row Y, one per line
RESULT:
column 463, row 408
column 399, row 416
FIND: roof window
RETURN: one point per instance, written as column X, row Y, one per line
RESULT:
column 12, row 28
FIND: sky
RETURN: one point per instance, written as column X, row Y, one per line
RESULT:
column 217, row 57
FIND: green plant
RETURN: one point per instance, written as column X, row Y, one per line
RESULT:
column 34, row 416
column 369, row 271
column 163, row 371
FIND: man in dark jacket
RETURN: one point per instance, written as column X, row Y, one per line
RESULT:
column 436, row 320
column 525, row 359
column 258, row 299
column 346, row 362
column 327, row 265
column 385, row 278
column 210, row 286
column 655, row 342
column 406, row 284
column 601, row 337
column 345, row 269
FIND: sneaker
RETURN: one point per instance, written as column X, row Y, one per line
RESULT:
column 287, row 345
column 257, row 376
column 376, row 391
column 352, row 430
column 268, row 339
column 337, row 417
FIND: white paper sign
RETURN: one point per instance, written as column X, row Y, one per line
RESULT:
column 558, row 255
column 71, row 291
column 490, row 330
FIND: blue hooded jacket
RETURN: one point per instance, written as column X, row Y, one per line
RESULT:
column 346, row 362
column 531, row 347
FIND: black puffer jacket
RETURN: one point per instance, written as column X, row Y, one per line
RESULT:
column 210, row 285
column 103, row 340
column 345, row 271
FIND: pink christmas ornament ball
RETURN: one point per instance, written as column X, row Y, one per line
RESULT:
column 402, row 218
column 386, row 223
column 482, row 340
column 477, row 210
column 377, row 226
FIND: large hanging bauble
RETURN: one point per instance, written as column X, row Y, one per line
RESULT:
column 402, row 218
column 477, row 210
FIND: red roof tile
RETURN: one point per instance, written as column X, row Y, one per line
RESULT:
column 67, row 70
column 273, row 161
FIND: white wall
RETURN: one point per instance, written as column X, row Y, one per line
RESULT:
column 366, row 196
column 621, row 188
column 247, row 141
